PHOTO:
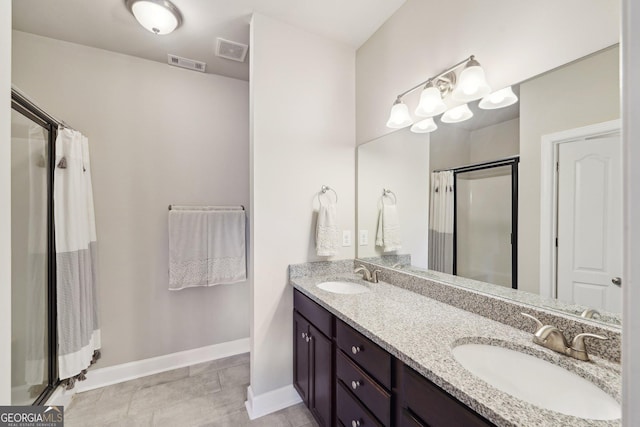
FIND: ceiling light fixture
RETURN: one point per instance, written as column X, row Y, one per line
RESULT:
column 158, row 16
column 499, row 99
column 468, row 86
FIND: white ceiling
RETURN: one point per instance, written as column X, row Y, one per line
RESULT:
column 107, row 24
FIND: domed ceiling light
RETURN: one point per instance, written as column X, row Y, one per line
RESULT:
column 158, row 16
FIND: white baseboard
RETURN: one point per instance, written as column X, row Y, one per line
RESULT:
column 102, row 377
column 272, row 401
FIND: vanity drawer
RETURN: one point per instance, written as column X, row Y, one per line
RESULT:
column 369, row 356
column 434, row 406
column 350, row 412
column 374, row 397
column 314, row 313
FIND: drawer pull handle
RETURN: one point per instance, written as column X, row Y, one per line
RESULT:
column 355, row 384
column 355, row 349
column 355, row 423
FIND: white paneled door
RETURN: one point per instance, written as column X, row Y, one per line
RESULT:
column 590, row 222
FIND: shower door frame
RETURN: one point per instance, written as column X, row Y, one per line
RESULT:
column 25, row 107
column 509, row 161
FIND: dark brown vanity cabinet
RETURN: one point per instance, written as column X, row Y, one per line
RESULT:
column 345, row 379
column 425, row 404
column 363, row 377
column 313, row 357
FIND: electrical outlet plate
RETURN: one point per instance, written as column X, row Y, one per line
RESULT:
column 364, row 237
column 346, row 238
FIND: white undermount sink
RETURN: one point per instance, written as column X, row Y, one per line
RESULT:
column 537, row 381
column 342, row 287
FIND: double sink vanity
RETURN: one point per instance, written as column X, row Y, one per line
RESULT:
column 416, row 351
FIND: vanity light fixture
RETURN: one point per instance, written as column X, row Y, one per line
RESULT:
column 431, row 103
column 472, row 83
column 469, row 86
column 457, row 114
column 158, row 16
column 424, row 126
column 499, row 99
column 399, row 117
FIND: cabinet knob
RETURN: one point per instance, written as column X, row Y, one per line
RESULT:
column 355, row 423
column 355, row 384
column 308, row 338
column 304, row 335
column 355, row 349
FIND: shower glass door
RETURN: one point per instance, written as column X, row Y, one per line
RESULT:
column 30, row 267
column 485, row 223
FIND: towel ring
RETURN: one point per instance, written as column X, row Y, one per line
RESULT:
column 388, row 193
column 324, row 190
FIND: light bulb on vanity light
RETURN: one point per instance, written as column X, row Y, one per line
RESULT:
column 424, row 126
column 399, row 117
column 457, row 114
column 431, row 103
column 472, row 83
column 499, row 99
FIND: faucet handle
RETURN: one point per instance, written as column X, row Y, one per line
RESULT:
column 374, row 276
column 578, row 341
column 535, row 319
column 366, row 274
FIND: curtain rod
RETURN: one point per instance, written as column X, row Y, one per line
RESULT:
column 21, row 96
column 505, row 160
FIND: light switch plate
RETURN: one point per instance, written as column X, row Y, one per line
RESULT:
column 364, row 237
column 346, row 237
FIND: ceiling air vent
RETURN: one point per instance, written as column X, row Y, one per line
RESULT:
column 189, row 64
column 231, row 50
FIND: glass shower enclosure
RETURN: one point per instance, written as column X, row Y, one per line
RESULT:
column 486, row 222
column 33, row 342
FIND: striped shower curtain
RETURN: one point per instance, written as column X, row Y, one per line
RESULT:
column 75, row 237
column 441, row 222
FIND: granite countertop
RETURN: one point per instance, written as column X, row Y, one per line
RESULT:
column 421, row 332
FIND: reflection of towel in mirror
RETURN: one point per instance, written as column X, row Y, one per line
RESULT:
column 388, row 234
column 327, row 231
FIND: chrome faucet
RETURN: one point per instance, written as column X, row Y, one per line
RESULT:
column 368, row 275
column 553, row 338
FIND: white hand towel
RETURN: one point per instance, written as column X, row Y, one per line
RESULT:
column 327, row 231
column 388, row 234
column 206, row 248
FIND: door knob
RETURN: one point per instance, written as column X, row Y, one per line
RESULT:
column 616, row 281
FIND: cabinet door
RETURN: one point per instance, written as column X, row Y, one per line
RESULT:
column 322, row 377
column 301, row 379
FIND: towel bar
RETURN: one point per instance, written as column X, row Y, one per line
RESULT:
column 211, row 208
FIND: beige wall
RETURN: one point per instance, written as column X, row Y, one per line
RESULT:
column 495, row 142
column 398, row 161
column 449, row 148
column 303, row 133
column 513, row 40
column 5, row 202
column 590, row 91
column 158, row 135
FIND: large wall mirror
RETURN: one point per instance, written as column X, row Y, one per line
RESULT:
column 522, row 202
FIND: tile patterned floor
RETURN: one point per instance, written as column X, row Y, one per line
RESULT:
column 210, row 394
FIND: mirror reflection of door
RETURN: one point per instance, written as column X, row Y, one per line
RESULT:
column 590, row 222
